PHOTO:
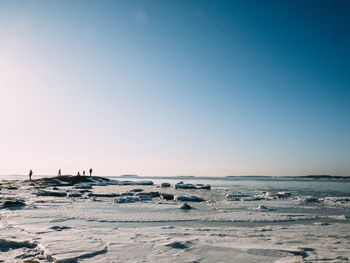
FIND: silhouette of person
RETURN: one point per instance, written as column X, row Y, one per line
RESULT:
column 83, row 173
column 78, row 174
column 90, row 171
column 59, row 173
column 30, row 174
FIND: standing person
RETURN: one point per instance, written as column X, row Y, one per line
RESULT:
column 90, row 171
column 30, row 174
column 84, row 173
column 59, row 173
column 78, row 173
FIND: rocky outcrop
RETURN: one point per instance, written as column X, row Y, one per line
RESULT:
column 68, row 180
column 122, row 200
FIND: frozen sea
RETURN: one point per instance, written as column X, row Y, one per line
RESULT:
column 241, row 219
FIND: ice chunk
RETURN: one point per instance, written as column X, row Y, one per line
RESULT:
column 203, row 186
column 144, row 183
column 304, row 200
column 74, row 194
column 188, row 198
column 337, row 201
column 184, row 186
column 283, row 194
column 236, row 197
column 123, row 200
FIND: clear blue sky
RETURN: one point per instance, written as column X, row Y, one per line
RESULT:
column 207, row 88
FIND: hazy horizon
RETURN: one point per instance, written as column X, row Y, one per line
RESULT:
column 8, row 176
column 36, row 176
column 200, row 88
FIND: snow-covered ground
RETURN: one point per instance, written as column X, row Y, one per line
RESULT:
column 122, row 222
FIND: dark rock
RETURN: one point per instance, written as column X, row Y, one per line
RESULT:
column 59, row 228
column 185, row 206
column 11, row 188
column 13, row 203
column 143, row 199
column 127, row 194
column 143, row 183
column 189, row 198
column 30, row 261
column 137, row 190
column 51, row 193
column 125, row 183
column 104, row 195
column 167, row 196
column 177, row 245
column 148, row 194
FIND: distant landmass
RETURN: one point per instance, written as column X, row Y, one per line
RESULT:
column 233, row 176
column 129, row 175
column 311, row 176
column 325, row 176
